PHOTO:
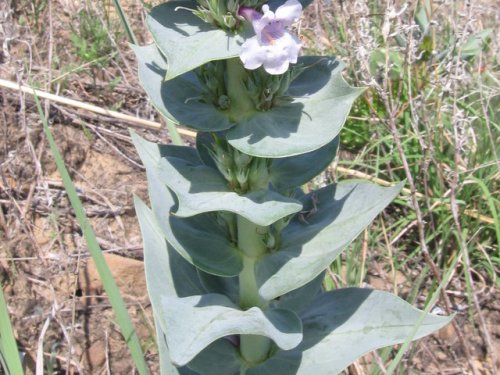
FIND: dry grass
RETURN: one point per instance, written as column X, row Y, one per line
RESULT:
column 55, row 300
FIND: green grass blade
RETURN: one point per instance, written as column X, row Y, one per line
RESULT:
column 491, row 204
column 430, row 303
column 9, row 354
column 124, row 20
column 115, row 298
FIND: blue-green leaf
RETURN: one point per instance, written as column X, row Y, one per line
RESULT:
column 333, row 217
column 166, row 367
column 320, row 101
column 187, row 41
column 199, row 239
column 179, row 99
column 362, row 320
column 342, row 325
column 285, row 173
column 201, row 189
column 192, row 323
column 189, row 322
column 165, row 273
column 297, row 300
column 228, row 286
column 220, row 357
column 294, row 171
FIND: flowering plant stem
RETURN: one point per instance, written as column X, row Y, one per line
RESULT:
column 234, row 250
column 251, row 242
column 241, row 103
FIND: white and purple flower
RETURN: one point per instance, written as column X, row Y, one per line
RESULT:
column 273, row 46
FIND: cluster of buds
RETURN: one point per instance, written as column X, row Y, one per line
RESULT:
column 222, row 14
column 211, row 76
column 243, row 172
column 266, row 90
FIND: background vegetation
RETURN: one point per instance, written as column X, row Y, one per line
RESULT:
column 429, row 116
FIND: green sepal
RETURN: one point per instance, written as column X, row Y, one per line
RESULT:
column 187, row 41
column 342, row 325
column 333, row 216
column 204, row 143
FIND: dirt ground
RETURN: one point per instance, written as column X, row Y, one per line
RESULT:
column 53, row 292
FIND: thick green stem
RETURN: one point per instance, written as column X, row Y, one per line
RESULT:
column 251, row 241
column 249, row 295
column 254, row 349
column 241, row 103
column 251, row 237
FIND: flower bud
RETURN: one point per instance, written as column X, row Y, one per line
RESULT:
column 229, row 20
column 232, row 6
column 259, row 174
column 270, row 240
column 242, row 178
column 241, row 160
column 222, row 160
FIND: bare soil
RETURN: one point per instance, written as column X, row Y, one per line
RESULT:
column 52, row 288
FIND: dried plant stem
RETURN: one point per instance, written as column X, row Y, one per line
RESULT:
column 454, row 184
column 358, row 174
column 364, row 252
column 470, row 280
column 90, row 107
column 391, row 120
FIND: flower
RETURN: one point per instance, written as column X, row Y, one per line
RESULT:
column 272, row 46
